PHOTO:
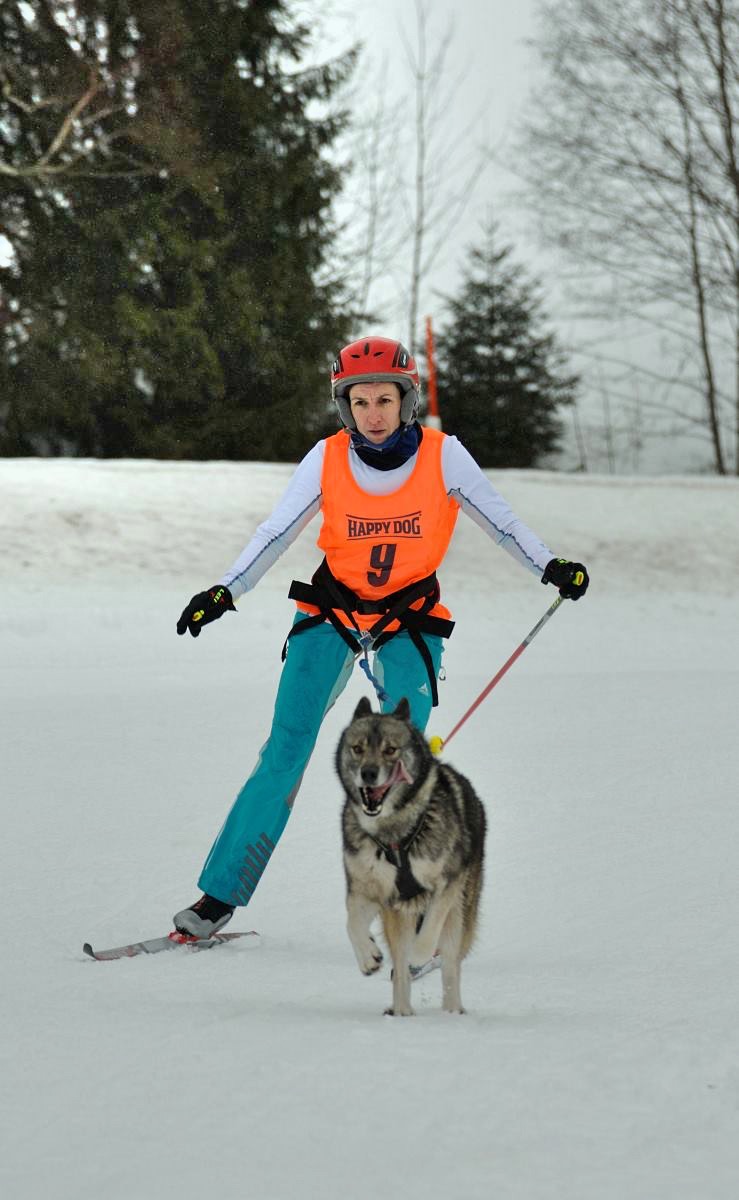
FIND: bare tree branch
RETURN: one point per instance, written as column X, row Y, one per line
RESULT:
column 634, row 166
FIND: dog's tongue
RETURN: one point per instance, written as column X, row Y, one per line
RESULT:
column 398, row 775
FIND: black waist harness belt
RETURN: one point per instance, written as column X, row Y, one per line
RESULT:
column 328, row 594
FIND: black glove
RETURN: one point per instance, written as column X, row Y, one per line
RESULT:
column 570, row 577
column 204, row 608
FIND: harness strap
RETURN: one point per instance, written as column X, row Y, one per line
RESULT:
column 350, row 603
column 308, row 622
column 425, row 653
column 427, row 588
column 398, row 855
column 331, row 596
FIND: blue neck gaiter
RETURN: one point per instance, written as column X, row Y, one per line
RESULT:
column 391, row 453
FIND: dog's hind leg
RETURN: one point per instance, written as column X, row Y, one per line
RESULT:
column 360, row 915
column 450, row 948
column 399, row 928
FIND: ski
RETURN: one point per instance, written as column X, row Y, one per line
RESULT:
column 173, row 941
column 431, row 965
column 424, row 969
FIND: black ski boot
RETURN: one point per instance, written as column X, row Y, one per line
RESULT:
column 203, row 918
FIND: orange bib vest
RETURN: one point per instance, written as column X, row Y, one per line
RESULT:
column 378, row 545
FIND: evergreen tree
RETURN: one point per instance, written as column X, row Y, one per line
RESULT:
column 169, row 292
column 501, row 377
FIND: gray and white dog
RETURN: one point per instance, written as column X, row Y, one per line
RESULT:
column 413, row 837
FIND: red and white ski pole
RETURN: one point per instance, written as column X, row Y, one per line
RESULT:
column 438, row 743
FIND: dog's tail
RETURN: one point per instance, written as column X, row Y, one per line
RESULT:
column 470, row 907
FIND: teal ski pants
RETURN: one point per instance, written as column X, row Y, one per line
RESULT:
column 316, row 671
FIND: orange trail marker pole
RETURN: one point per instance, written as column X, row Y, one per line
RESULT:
column 433, row 420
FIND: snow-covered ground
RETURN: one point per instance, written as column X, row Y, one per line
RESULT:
column 599, row 1056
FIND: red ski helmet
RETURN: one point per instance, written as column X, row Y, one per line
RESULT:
column 375, row 360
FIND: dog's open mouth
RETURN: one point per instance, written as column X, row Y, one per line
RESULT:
column 373, row 797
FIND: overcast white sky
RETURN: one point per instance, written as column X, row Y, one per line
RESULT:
column 488, row 74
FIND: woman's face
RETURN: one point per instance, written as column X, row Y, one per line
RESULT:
column 376, row 409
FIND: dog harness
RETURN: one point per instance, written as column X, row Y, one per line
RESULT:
column 397, row 854
column 378, row 576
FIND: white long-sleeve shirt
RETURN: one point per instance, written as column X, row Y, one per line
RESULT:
column 463, row 478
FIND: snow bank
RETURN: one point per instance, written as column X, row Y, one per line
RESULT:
column 598, row 1057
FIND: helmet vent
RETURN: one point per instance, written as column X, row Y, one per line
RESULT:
column 401, row 357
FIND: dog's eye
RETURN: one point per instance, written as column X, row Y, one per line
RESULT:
column 391, row 749
column 357, row 748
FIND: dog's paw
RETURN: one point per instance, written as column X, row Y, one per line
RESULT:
column 370, row 958
column 399, row 1012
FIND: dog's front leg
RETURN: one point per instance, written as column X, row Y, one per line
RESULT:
column 399, row 928
column 426, row 942
column 360, row 914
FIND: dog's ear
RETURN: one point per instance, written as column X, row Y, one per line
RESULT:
column 363, row 709
column 403, row 711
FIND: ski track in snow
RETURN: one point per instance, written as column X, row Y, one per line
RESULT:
column 598, row 1057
